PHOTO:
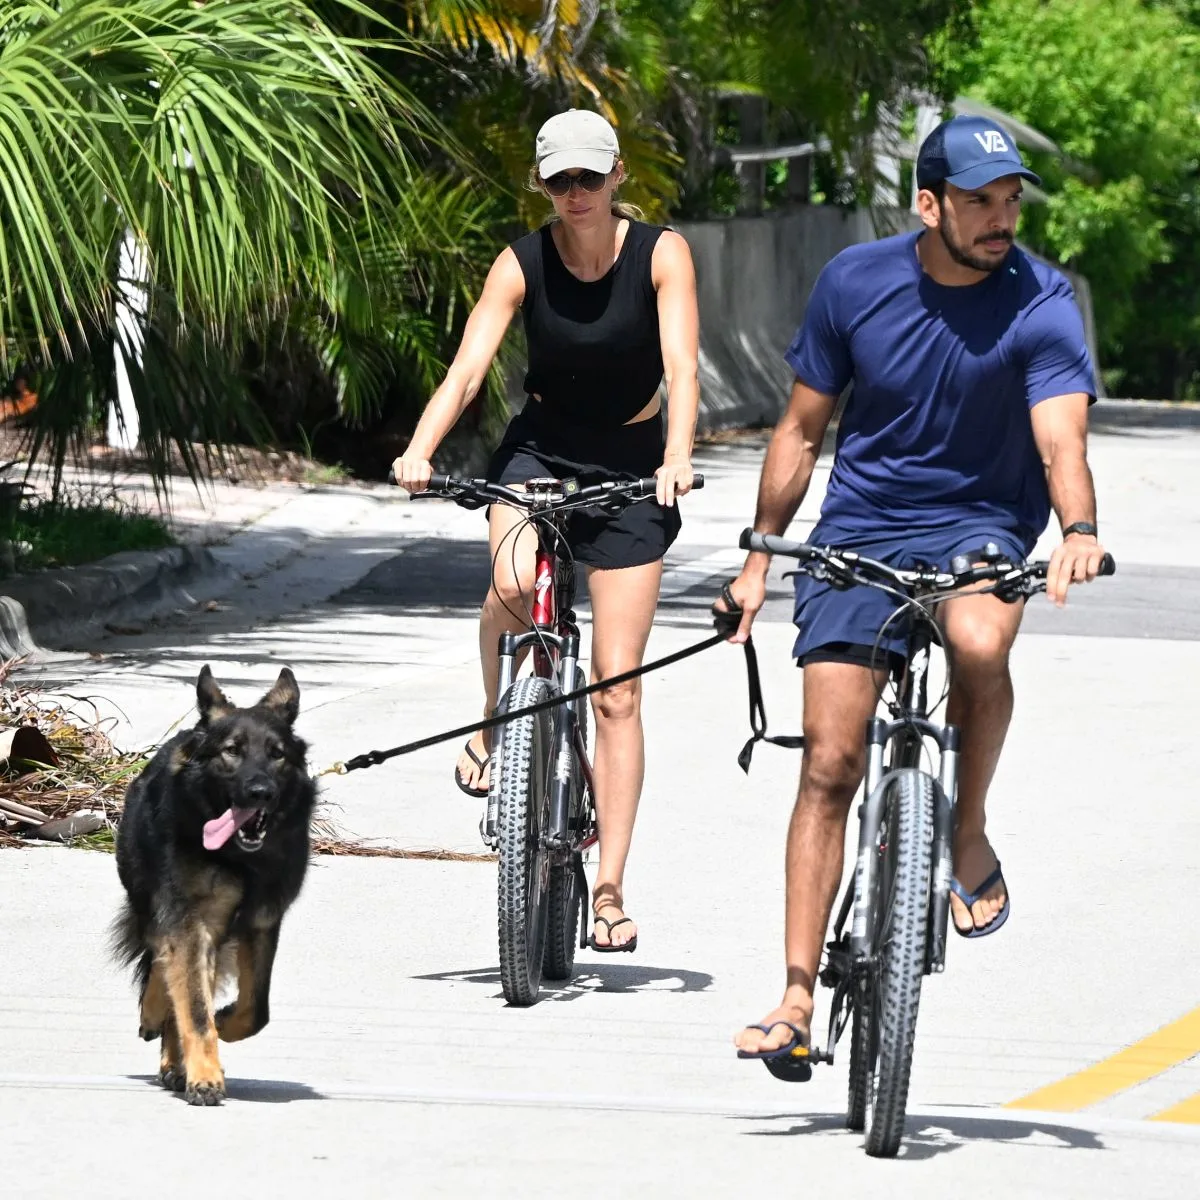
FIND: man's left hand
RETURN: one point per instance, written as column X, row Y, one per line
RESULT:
column 1077, row 560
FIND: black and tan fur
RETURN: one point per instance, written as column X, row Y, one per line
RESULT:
column 192, row 916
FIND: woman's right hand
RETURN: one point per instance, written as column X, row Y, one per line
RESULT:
column 412, row 472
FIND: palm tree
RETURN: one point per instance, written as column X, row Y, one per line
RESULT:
column 263, row 163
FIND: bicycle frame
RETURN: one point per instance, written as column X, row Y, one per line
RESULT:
column 554, row 639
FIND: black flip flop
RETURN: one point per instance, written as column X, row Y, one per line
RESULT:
column 478, row 793
column 788, row 1062
column 611, row 925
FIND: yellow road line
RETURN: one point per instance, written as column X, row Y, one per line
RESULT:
column 1167, row 1048
column 1187, row 1112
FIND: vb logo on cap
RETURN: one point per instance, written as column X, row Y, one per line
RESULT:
column 992, row 142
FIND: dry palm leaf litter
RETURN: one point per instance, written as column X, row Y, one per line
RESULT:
column 62, row 779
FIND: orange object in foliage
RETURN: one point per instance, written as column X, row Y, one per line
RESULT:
column 24, row 401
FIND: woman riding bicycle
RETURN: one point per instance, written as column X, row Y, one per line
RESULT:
column 609, row 308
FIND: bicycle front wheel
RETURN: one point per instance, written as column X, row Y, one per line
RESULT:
column 523, row 781
column 900, row 920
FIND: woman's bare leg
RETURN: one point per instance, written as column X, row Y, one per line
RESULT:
column 514, row 553
column 623, row 604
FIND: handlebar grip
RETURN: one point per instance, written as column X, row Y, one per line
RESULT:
column 768, row 543
column 1108, row 565
column 438, row 483
column 392, row 476
column 649, row 485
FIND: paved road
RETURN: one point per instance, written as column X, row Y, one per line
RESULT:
column 392, row 1066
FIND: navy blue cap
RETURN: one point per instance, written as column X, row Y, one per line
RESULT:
column 969, row 152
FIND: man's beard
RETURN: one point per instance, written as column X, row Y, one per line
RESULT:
column 964, row 257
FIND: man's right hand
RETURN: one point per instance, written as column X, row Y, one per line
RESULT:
column 412, row 472
column 750, row 591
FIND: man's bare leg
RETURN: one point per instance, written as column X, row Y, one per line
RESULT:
column 980, row 631
column 839, row 698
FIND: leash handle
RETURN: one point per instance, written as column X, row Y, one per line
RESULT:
column 728, row 622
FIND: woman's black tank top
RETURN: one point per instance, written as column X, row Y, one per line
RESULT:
column 594, row 352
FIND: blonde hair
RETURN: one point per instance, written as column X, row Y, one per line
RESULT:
column 620, row 208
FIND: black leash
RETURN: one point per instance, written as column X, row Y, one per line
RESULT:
column 725, row 623
column 728, row 623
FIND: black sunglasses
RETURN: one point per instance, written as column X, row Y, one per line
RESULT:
column 561, row 184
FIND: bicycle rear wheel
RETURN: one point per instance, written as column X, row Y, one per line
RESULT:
column 562, row 922
column 862, row 1057
column 900, row 921
column 523, row 781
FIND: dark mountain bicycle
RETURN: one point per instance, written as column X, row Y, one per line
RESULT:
column 898, row 901
column 541, row 813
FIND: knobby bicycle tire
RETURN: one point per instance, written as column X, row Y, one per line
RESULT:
column 562, row 921
column 523, row 884
column 901, row 926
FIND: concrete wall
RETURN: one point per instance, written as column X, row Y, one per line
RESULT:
column 754, row 276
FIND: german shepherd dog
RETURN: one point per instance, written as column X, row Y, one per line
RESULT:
column 212, row 849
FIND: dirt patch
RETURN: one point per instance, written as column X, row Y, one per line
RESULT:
column 232, row 463
column 91, row 776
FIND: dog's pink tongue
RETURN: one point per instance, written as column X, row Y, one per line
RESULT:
column 220, row 829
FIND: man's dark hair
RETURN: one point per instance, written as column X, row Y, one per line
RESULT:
column 938, row 188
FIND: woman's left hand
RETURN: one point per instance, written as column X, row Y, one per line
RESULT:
column 674, row 479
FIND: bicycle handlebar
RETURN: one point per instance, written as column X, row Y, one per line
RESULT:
column 481, row 491
column 846, row 567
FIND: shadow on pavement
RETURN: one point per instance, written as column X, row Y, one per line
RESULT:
column 926, row 1137
column 255, row 1091
column 610, row 978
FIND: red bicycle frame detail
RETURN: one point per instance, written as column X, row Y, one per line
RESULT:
column 545, row 614
column 545, row 605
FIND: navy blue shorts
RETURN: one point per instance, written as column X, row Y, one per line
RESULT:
column 842, row 626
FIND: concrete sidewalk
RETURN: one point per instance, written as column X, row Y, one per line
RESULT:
column 391, row 1064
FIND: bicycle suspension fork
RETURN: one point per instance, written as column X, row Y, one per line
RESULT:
column 908, row 732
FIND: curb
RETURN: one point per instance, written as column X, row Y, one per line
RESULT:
column 53, row 609
column 1145, row 414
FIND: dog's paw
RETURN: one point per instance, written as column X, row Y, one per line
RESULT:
column 205, row 1092
column 172, row 1078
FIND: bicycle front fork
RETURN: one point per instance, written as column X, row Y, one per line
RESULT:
column 875, row 787
column 558, row 833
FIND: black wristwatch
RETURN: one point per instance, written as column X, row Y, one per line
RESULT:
column 1080, row 527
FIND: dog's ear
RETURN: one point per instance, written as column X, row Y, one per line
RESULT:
column 182, row 754
column 210, row 700
column 284, row 697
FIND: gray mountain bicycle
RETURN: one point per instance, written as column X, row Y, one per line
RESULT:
column 898, row 901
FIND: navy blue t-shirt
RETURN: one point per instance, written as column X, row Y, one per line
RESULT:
column 937, row 428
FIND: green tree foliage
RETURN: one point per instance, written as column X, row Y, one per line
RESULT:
column 273, row 175
column 1116, row 83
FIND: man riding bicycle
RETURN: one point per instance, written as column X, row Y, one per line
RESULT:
column 967, row 421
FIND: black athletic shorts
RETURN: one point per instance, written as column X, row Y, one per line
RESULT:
column 537, row 446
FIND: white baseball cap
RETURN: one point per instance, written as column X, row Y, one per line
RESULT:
column 578, row 139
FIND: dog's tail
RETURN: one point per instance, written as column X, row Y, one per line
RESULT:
column 127, row 942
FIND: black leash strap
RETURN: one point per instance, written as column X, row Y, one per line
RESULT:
column 374, row 757
column 725, row 622
column 728, row 623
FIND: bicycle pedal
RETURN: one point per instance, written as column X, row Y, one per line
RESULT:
column 817, row 1055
